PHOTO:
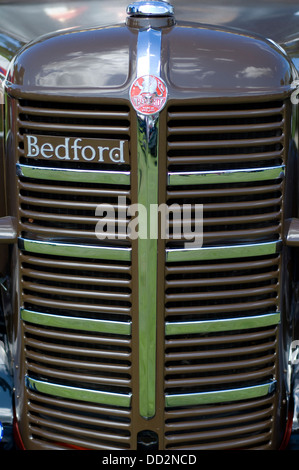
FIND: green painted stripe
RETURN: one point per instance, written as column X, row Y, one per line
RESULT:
column 80, row 394
column 77, row 251
column 74, row 175
column 75, row 323
column 214, row 326
column 221, row 396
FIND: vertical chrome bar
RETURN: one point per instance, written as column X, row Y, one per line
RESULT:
column 149, row 53
column 148, row 63
column 147, row 264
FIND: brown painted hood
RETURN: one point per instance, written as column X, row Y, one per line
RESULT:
column 196, row 59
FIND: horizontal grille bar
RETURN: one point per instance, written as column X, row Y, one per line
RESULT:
column 222, row 396
column 222, row 252
column 76, row 393
column 76, row 323
column 74, row 175
column 225, row 176
column 212, row 326
column 75, row 250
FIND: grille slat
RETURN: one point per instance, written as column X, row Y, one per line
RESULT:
column 98, row 379
column 226, row 309
column 223, row 129
column 238, row 143
column 46, row 127
column 215, row 434
column 227, row 111
column 79, row 292
column 91, row 113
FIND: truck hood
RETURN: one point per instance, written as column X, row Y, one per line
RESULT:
column 198, row 59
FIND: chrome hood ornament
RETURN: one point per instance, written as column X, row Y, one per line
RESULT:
column 150, row 8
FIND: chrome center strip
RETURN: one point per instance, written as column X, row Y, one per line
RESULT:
column 225, row 176
column 148, row 63
column 215, row 326
column 74, row 176
column 222, row 252
column 77, row 251
column 149, row 53
column 76, row 323
column 81, row 394
column 221, row 396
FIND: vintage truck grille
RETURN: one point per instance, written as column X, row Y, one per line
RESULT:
column 208, row 295
column 220, row 303
column 228, row 158
column 76, row 306
column 63, row 203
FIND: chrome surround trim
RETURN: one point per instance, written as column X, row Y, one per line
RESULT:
column 219, row 396
column 227, row 324
column 76, row 323
column 73, row 175
column 222, row 252
column 76, row 251
column 148, row 63
column 81, row 394
column 225, row 176
column 150, row 8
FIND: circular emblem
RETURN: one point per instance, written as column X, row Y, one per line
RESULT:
column 148, row 94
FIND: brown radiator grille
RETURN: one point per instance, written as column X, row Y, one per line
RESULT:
column 68, row 208
column 207, row 137
column 221, row 289
column 79, row 360
column 230, row 159
column 66, row 286
column 213, row 362
column 76, row 305
column 50, row 118
column 73, row 289
column 56, row 423
column 230, row 426
column 216, row 138
column 92, row 360
column 232, row 212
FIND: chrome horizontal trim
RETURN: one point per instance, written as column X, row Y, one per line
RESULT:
column 76, row 251
column 222, row 252
column 219, row 396
column 74, row 175
column 215, row 326
column 80, row 394
column 225, row 176
column 76, row 323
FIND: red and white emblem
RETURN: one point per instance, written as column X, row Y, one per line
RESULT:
column 148, row 94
